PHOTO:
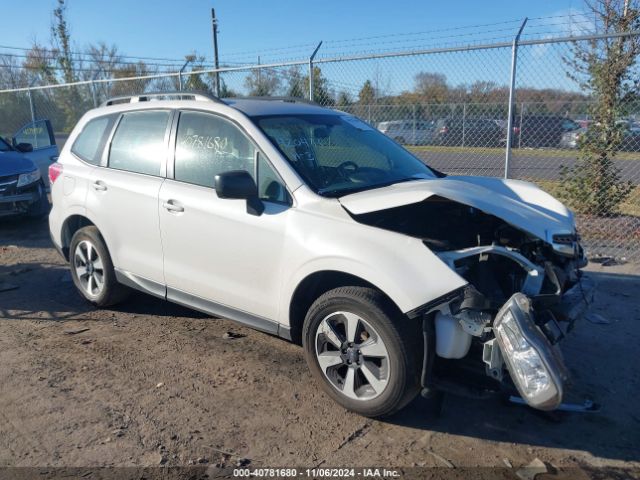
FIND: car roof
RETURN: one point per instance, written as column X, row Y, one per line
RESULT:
column 256, row 107
column 250, row 106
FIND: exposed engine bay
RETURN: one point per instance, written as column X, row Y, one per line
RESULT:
column 524, row 293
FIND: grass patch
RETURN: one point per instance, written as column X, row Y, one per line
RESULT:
column 631, row 206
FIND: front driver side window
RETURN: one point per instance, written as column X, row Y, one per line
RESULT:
column 270, row 186
column 207, row 145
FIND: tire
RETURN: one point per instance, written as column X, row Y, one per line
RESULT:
column 95, row 280
column 399, row 140
column 385, row 355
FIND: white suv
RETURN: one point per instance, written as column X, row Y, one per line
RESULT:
column 309, row 224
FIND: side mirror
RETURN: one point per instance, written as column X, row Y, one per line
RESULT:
column 239, row 185
column 24, row 147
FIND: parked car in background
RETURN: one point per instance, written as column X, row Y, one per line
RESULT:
column 408, row 132
column 476, row 132
column 540, row 130
column 22, row 188
column 307, row 223
column 584, row 123
column 630, row 138
column 42, row 149
column 570, row 140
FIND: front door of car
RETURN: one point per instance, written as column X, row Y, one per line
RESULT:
column 122, row 197
column 216, row 254
column 39, row 135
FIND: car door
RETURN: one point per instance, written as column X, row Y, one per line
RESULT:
column 39, row 135
column 122, row 197
column 217, row 256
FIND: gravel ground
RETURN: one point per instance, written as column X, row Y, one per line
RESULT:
column 150, row 383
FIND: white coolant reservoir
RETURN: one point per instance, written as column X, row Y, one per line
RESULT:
column 451, row 340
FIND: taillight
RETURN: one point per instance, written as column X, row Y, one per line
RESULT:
column 516, row 130
column 55, row 170
column 444, row 130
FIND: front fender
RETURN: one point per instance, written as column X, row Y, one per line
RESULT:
column 402, row 267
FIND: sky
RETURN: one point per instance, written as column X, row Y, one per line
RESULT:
column 280, row 29
column 172, row 29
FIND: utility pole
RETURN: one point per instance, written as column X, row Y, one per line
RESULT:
column 214, row 24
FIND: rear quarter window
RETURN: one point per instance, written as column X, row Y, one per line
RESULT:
column 92, row 139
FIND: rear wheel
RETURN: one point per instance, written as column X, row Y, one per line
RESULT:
column 400, row 140
column 92, row 270
column 362, row 351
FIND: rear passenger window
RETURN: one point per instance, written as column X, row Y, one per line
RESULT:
column 207, row 145
column 139, row 142
column 90, row 143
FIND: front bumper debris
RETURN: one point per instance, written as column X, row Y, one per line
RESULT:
column 576, row 301
column 543, row 320
column 588, row 406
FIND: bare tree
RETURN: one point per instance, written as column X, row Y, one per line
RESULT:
column 262, row 82
column 432, row 86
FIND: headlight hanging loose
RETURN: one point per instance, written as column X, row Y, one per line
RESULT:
column 535, row 368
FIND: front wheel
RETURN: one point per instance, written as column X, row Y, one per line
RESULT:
column 363, row 352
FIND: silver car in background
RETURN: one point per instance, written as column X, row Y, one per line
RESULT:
column 408, row 132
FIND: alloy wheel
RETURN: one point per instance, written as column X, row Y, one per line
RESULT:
column 352, row 356
column 89, row 268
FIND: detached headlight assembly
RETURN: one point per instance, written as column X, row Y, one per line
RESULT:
column 536, row 368
column 28, row 178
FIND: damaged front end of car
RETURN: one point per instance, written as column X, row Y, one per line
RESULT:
column 515, row 310
column 500, row 333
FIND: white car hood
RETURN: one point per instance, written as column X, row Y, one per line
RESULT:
column 521, row 204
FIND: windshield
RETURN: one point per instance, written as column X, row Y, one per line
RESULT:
column 340, row 154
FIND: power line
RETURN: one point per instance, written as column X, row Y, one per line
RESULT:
column 90, row 54
column 246, row 53
column 115, row 62
column 331, row 44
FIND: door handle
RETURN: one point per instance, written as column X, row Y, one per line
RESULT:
column 99, row 186
column 172, row 207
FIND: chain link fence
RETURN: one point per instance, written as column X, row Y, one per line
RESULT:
column 449, row 106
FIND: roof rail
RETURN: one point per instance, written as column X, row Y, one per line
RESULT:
column 277, row 99
column 146, row 97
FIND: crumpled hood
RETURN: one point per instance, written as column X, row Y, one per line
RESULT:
column 15, row 163
column 521, row 204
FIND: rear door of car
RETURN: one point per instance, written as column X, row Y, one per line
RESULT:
column 39, row 135
column 123, row 195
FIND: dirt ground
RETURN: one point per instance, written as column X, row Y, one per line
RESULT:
column 150, row 383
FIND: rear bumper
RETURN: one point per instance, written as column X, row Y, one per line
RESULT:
column 56, row 246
